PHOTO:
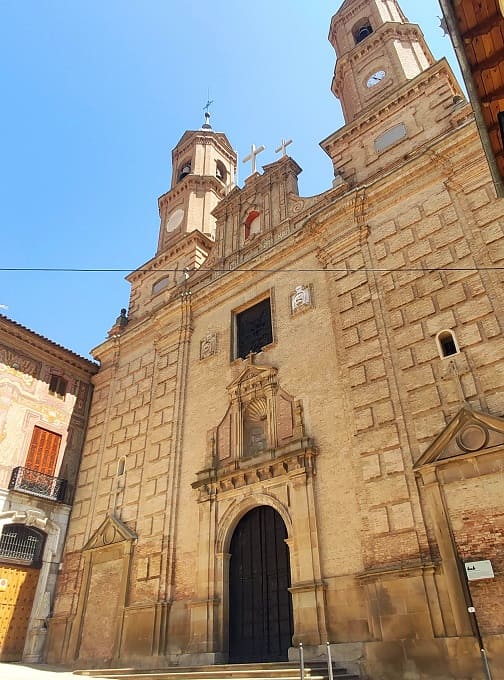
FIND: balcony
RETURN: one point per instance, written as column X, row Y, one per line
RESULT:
column 38, row 484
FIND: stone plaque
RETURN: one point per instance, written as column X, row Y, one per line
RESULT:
column 208, row 346
column 301, row 299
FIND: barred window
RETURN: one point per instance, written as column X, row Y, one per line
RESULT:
column 22, row 544
column 253, row 329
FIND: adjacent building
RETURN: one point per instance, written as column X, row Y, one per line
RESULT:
column 45, row 393
column 477, row 32
column 297, row 430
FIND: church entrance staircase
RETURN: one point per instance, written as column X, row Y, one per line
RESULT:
column 251, row 671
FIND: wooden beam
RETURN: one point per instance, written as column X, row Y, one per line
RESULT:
column 481, row 28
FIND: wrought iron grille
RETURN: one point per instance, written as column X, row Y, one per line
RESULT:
column 38, row 484
column 253, row 327
column 21, row 544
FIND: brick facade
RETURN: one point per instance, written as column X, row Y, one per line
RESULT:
column 360, row 416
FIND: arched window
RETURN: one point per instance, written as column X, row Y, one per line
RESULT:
column 362, row 30
column 185, row 169
column 252, row 224
column 220, row 171
column 22, row 545
column 121, row 466
column 447, row 344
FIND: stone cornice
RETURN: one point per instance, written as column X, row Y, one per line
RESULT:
column 395, row 571
column 386, row 32
column 191, row 182
column 184, row 244
column 383, row 109
column 203, row 137
column 17, row 336
column 292, row 460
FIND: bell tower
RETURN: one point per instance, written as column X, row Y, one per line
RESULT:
column 377, row 51
column 203, row 171
column 396, row 98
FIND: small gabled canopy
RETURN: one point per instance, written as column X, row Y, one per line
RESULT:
column 253, row 372
column 111, row 530
column 470, row 431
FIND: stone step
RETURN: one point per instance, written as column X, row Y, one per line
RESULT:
column 316, row 670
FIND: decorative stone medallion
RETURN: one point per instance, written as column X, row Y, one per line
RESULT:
column 301, row 299
column 208, row 346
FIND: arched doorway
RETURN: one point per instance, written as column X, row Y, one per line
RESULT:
column 21, row 550
column 260, row 607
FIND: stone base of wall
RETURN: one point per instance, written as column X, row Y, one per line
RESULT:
column 455, row 658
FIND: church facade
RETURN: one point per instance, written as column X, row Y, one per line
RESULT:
column 297, row 431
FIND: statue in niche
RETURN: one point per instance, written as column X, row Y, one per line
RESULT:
column 261, row 417
column 255, row 434
column 300, row 299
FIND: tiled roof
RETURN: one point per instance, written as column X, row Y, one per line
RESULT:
column 15, row 325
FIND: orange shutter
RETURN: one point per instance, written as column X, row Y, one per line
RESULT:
column 43, row 451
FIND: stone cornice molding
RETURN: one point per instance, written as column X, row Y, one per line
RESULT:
column 386, row 32
column 203, row 137
column 293, row 460
column 22, row 339
column 189, row 183
column 181, row 246
column 396, row 571
column 384, row 109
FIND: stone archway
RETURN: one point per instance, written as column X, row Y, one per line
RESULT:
column 260, row 606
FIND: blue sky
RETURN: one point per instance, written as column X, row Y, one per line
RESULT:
column 96, row 94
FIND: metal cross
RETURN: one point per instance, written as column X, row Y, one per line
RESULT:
column 252, row 156
column 208, row 105
column 283, row 146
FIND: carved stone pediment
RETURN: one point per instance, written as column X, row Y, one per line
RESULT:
column 262, row 422
column 110, row 531
column 297, row 459
column 469, row 432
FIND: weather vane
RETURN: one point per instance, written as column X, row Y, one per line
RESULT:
column 209, row 103
column 206, row 109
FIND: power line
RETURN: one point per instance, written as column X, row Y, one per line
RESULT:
column 349, row 270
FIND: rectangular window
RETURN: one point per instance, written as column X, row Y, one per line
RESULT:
column 43, row 451
column 253, row 329
column 57, row 386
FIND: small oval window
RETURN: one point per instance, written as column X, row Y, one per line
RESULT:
column 160, row 285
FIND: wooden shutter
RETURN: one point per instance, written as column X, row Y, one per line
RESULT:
column 43, row 451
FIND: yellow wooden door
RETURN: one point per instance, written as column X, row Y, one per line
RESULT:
column 17, row 590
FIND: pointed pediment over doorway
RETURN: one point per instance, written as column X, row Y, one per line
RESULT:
column 469, row 432
column 112, row 530
column 252, row 377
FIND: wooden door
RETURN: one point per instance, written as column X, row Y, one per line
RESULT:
column 17, row 591
column 260, row 607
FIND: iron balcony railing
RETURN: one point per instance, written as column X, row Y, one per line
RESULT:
column 38, row 484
